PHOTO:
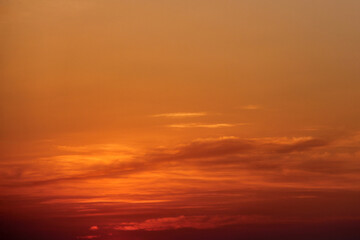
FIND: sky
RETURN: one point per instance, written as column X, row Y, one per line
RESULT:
column 179, row 119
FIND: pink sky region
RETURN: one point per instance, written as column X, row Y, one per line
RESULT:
column 179, row 119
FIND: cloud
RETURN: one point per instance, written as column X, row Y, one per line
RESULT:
column 196, row 222
column 94, row 228
column 203, row 125
column 97, row 148
column 181, row 114
column 88, row 237
column 214, row 181
column 107, row 200
column 265, row 161
column 251, row 107
column 303, row 145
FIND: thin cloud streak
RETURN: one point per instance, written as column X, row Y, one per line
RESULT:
column 196, row 222
column 251, row 107
column 181, row 114
column 203, row 125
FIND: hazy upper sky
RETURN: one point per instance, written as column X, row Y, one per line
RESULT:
column 128, row 115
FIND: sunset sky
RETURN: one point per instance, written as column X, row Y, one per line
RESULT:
column 179, row 119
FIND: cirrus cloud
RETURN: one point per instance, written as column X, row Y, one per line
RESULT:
column 181, row 114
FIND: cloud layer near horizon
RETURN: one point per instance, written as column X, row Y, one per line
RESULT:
column 205, row 175
column 308, row 156
column 207, row 183
column 275, row 160
column 149, row 117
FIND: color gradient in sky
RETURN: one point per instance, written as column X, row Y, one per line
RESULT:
column 180, row 119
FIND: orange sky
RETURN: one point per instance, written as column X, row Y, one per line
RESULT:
column 146, row 116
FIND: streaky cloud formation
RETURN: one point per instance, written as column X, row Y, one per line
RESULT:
column 301, row 155
column 202, row 125
column 197, row 222
column 251, row 107
column 179, row 120
column 252, row 180
column 181, row 114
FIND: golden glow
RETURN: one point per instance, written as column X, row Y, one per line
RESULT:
column 125, row 117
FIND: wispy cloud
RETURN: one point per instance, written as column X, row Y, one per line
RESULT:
column 96, row 147
column 203, row 125
column 229, row 174
column 228, row 153
column 251, row 107
column 181, row 114
column 197, row 222
column 103, row 200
